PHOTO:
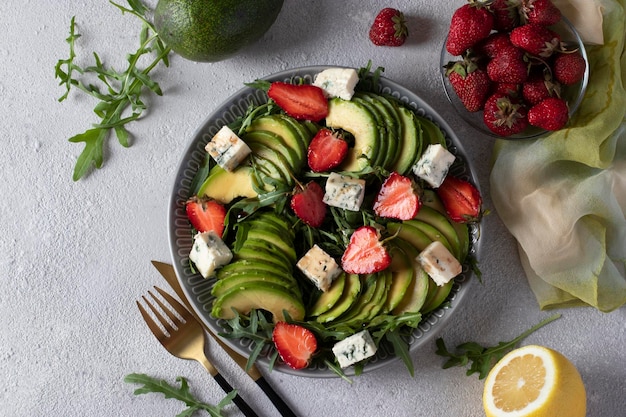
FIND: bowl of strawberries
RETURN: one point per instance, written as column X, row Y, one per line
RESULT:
column 513, row 69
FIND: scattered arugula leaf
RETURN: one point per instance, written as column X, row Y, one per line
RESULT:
column 153, row 385
column 483, row 359
column 120, row 92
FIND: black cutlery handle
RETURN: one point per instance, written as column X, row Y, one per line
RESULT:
column 278, row 402
column 239, row 402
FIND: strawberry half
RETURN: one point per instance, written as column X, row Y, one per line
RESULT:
column 326, row 151
column 397, row 198
column 302, row 102
column 461, row 199
column 205, row 214
column 295, row 344
column 365, row 253
column 307, row 203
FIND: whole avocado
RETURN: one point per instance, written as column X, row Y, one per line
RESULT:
column 213, row 30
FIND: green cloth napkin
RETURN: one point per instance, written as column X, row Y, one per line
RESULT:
column 563, row 197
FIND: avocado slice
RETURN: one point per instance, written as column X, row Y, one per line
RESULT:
column 410, row 141
column 328, row 299
column 350, row 294
column 381, row 129
column 437, row 296
column 355, row 118
column 254, row 243
column 272, row 163
column 261, row 296
column 254, row 253
column 432, row 134
column 288, row 156
column 402, row 271
column 243, row 266
column 281, row 127
column 224, row 186
column 258, row 234
column 415, row 295
column 430, row 199
column 411, row 234
column 435, row 233
column 392, row 123
column 233, row 281
column 370, row 302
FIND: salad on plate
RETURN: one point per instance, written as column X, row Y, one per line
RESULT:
column 327, row 221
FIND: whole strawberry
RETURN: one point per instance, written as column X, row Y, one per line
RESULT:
column 541, row 12
column 470, row 24
column 540, row 86
column 505, row 115
column 536, row 39
column 506, row 14
column 569, row 68
column 470, row 83
column 492, row 44
column 550, row 114
column 389, row 28
column 508, row 66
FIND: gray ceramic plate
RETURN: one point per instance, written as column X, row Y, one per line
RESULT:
column 198, row 289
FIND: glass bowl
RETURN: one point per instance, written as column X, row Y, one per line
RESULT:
column 572, row 93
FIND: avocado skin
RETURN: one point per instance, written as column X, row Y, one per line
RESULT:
column 213, row 30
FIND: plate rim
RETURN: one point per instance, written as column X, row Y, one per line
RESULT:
column 438, row 317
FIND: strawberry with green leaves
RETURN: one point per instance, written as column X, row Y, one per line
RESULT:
column 206, row 215
column 389, row 28
column 300, row 101
column 326, row 151
column 398, row 198
column 461, row 199
column 506, row 14
column 540, row 86
column 550, row 114
column 295, row 344
column 470, row 24
column 505, row 115
column 470, row 82
column 365, row 253
column 307, row 203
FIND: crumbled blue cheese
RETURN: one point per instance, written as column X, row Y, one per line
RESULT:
column 344, row 192
column 337, row 82
column 319, row 267
column 434, row 164
column 209, row 252
column 227, row 149
column 439, row 263
column 354, row 348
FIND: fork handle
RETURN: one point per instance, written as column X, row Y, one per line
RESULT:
column 239, row 402
column 278, row 402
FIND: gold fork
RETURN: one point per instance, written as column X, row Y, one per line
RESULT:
column 184, row 338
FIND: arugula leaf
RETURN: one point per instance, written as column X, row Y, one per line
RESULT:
column 484, row 358
column 153, row 385
column 119, row 102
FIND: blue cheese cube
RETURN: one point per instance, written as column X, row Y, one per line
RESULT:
column 439, row 263
column 337, row 82
column 209, row 252
column 344, row 192
column 354, row 348
column 434, row 164
column 227, row 149
column 319, row 267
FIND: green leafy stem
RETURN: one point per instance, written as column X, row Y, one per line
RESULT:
column 118, row 90
column 484, row 358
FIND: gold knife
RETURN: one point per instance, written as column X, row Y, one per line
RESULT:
column 167, row 271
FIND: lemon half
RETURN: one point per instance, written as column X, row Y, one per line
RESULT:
column 534, row 381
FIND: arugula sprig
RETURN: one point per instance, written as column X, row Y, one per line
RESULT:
column 119, row 93
column 182, row 393
column 484, row 358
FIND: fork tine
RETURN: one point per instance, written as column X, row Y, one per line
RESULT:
column 178, row 307
column 154, row 328
column 164, row 322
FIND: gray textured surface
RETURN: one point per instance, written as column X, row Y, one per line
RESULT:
column 75, row 256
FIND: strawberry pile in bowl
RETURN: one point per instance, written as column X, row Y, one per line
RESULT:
column 513, row 69
column 324, row 221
